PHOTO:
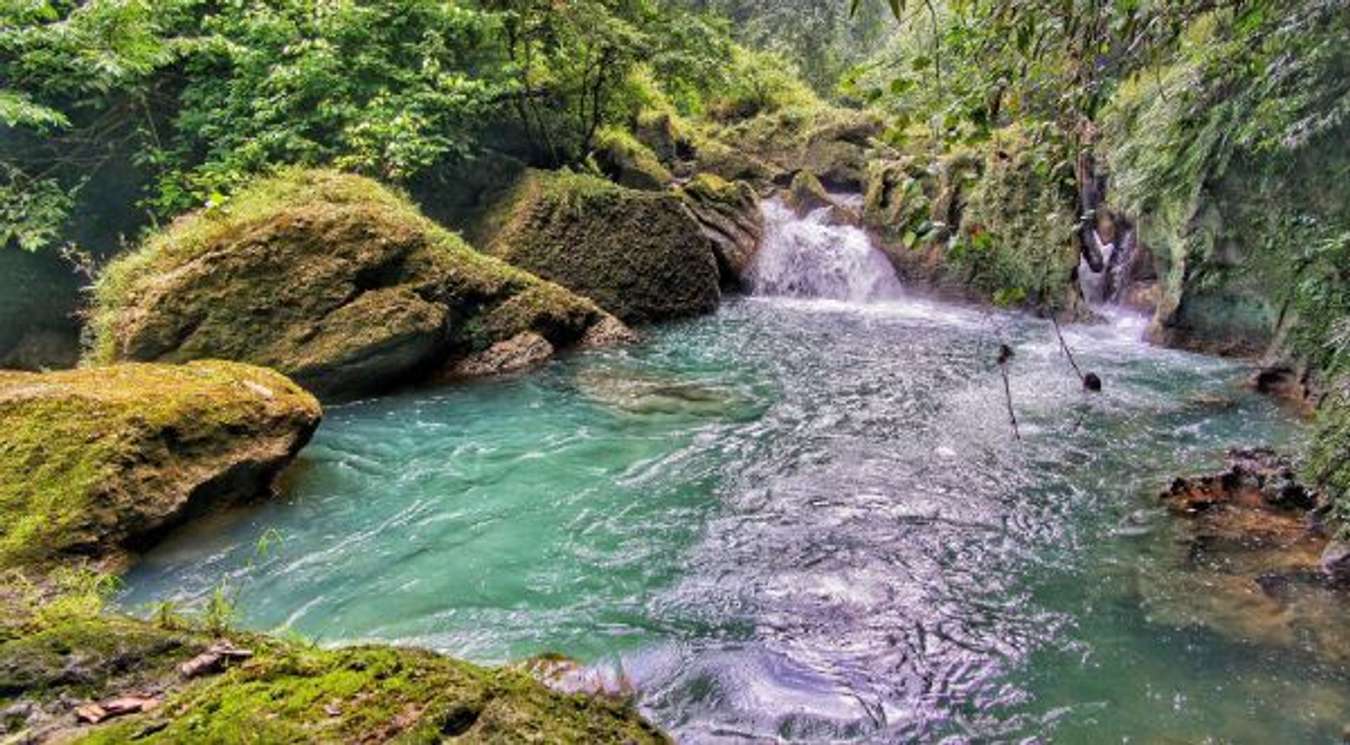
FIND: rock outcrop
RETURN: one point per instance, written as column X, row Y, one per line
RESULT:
column 729, row 214
column 641, row 255
column 329, row 278
column 986, row 223
column 98, row 460
column 835, row 144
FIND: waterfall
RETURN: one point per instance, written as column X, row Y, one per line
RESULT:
column 1095, row 285
column 1105, row 287
column 808, row 257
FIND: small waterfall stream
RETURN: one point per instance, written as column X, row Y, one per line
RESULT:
column 809, row 257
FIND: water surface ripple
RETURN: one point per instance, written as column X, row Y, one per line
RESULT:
column 791, row 521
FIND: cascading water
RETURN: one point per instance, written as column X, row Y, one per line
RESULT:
column 1095, row 285
column 1106, row 287
column 809, row 257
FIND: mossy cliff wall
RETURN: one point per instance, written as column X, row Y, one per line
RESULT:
column 1232, row 161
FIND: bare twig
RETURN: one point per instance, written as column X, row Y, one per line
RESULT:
column 1063, row 345
column 1090, row 380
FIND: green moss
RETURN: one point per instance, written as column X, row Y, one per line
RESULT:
column 378, row 694
column 629, row 162
column 288, row 692
column 328, row 277
column 1016, row 236
column 639, row 254
column 92, row 457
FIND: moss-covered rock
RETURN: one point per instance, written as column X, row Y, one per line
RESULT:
column 835, row 144
column 994, row 223
column 729, row 213
column 329, row 278
column 628, row 162
column 641, row 255
column 665, row 134
column 806, row 193
column 95, row 460
column 285, row 692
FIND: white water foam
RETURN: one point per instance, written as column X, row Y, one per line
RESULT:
column 806, row 257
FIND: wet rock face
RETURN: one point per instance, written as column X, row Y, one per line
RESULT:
column 96, row 461
column 640, row 255
column 1256, row 479
column 728, row 214
column 328, row 278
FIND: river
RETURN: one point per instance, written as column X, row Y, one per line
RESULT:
column 803, row 518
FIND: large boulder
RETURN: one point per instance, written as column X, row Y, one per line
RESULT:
column 98, row 460
column 329, row 278
column 640, row 255
column 730, row 216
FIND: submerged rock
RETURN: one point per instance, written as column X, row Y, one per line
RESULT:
column 640, row 255
column 327, row 277
column 517, row 353
column 96, row 461
column 1255, row 562
column 729, row 214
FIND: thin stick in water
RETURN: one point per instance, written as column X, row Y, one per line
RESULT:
column 1005, row 353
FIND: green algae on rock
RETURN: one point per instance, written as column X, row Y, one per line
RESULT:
column 329, row 278
column 640, row 255
column 95, row 460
